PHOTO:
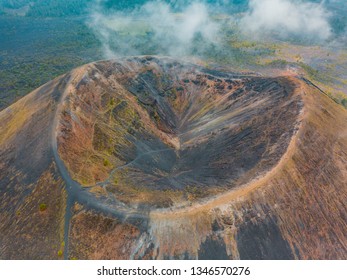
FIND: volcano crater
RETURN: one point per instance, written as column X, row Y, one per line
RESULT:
column 158, row 132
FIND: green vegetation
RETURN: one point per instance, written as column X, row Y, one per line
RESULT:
column 44, row 8
column 35, row 51
column 107, row 163
column 43, row 207
column 112, row 102
column 59, row 8
column 60, row 253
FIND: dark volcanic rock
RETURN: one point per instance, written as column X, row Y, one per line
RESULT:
column 213, row 249
column 262, row 241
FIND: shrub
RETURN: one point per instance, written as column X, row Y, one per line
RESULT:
column 43, row 206
column 344, row 102
column 106, row 162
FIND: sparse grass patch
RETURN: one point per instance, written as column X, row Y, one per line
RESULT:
column 314, row 74
column 279, row 63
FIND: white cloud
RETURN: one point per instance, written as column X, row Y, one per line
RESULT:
column 177, row 32
column 288, row 18
column 172, row 33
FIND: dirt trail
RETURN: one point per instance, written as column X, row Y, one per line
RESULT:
column 79, row 194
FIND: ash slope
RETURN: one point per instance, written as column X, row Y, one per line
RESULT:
column 153, row 158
